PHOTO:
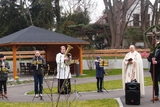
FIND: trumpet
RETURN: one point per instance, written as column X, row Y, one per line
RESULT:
column 103, row 63
column 3, row 69
column 37, row 62
column 67, row 54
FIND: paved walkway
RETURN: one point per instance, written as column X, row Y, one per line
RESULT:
column 17, row 93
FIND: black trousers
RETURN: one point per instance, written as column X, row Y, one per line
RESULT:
column 64, row 86
column 3, row 84
column 156, row 86
column 99, row 83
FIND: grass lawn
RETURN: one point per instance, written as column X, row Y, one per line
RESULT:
column 88, row 73
column 87, row 103
column 109, row 85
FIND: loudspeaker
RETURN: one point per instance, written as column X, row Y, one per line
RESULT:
column 132, row 93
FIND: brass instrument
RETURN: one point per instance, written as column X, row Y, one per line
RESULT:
column 3, row 69
column 103, row 63
column 67, row 54
column 37, row 62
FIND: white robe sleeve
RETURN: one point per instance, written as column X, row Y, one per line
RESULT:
column 60, row 60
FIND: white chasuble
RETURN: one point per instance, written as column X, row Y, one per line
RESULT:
column 134, row 70
column 63, row 70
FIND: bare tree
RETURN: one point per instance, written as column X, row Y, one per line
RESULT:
column 116, row 11
column 145, row 6
column 144, row 18
column 156, row 12
column 87, row 6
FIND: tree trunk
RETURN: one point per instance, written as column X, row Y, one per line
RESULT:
column 57, row 13
column 144, row 18
column 116, row 11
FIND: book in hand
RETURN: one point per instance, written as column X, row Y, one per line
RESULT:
column 130, row 59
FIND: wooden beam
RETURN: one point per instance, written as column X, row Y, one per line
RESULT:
column 14, row 49
column 80, row 60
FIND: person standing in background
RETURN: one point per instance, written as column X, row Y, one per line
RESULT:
column 99, row 74
column 154, row 58
column 4, row 66
column 63, row 72
column 132, row 69
column 38, row 62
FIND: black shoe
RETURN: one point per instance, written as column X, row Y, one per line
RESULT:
column 101, row 90
column 98, row 91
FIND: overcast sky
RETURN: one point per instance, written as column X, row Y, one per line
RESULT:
column 98, row 11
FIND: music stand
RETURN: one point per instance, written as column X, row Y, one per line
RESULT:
column 75, row 90
column 103, row 63
column 103, row 86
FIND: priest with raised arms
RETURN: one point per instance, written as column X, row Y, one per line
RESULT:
column 63, row 72
column 132, row 68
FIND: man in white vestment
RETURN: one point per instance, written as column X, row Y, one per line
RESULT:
column 132, row 68
column 63, row 72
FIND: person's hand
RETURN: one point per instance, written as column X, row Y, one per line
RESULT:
column 130, row 62
column 66, row 58
column 155, row 62
column 2, row 64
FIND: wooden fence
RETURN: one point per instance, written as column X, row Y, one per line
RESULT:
column 110, row 52
column 86, row 53
column 21, row 54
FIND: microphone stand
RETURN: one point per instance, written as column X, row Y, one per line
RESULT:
column 102, row 64
column 75, row 90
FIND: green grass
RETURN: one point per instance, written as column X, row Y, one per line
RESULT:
column 88, row 73
column 87, row 103
column 103, row 57
column 109, row 85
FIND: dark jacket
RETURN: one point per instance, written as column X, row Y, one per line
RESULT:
column 99, row 70
column 40, row 70
column 4, row 74
column 157, row 66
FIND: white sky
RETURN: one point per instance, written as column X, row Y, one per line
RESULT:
column 95, row 15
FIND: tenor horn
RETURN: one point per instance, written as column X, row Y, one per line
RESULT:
column 67, row 54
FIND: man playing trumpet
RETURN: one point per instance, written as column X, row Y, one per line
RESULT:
column 63, row 72
column 38, row 62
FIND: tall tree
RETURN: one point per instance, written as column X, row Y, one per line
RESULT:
column 42, row 13
column 144, row 18
column 116, row 11
column 57, row 13
column 145, row 22
column 156, row 12
column 11, row 19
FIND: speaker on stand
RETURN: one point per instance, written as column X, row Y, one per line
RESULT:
column 132, row 93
